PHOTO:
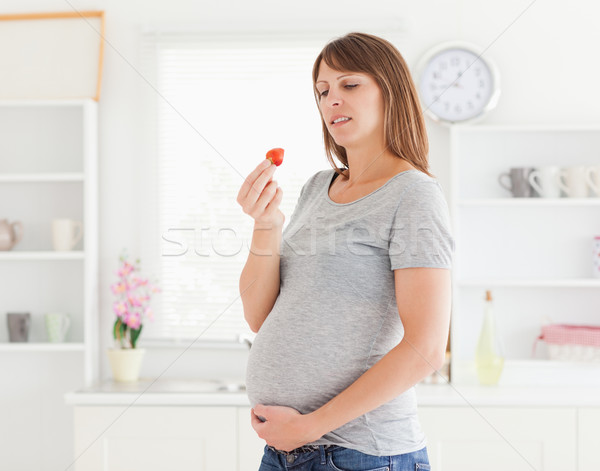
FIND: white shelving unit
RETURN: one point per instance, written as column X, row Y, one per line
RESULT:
column 42, row 347
column 534, row 254
column 535, row 202
column 43, row 255
column 42, row 177
column 48, row 170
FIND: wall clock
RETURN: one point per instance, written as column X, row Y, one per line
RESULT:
column 456, row 83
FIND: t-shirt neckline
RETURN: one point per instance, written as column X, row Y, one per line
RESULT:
column 330, row 181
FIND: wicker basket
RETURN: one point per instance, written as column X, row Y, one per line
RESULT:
column 571, row 342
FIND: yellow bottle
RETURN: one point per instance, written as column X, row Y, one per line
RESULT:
column 489, row 358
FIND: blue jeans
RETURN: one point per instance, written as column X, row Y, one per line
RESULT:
column 337, row 458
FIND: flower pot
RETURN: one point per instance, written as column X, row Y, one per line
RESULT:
column 126, row 363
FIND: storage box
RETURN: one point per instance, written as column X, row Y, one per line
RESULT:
column 572, row 342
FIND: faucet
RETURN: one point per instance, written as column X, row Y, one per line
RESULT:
column 245, row 338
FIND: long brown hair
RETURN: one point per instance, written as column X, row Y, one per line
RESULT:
column 405, row 131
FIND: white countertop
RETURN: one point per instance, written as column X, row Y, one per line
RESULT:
column 161, row 392
column 186, row 392
column 526, row 396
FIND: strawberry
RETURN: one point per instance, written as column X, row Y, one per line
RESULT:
column 275, row 156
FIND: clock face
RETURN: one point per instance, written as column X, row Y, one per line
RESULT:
column 456, row 85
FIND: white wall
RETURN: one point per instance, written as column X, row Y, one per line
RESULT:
column 544, row 51
column 540, row 49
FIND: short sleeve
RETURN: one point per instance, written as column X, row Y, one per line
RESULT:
column 420, row 235
column 301, row 200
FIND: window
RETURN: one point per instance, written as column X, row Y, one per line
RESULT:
column 218, row 103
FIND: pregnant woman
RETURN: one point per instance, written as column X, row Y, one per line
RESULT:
column 351, row 302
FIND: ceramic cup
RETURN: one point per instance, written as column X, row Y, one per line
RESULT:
column 65, row 234
column 18, row 326
column 572, row 181
column 545, row 181
column 517, row 182
column 592, row 177
column 11, row 234
column 57, row 326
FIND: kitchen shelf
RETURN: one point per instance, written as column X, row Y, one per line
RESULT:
column 530, row 202
column 42, row 347
column 534, row 254
column 59, row 102
column 49, row 170
column 538, row 372
column 537, row 283
column 42, row 255
column 41, row 177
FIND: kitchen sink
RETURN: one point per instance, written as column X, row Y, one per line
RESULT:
column 195, row 386
column 170, row 386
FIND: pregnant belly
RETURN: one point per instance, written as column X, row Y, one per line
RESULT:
column 299, row 371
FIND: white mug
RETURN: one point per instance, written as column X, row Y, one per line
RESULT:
column 592, row 177
column 545, row 181
column 57, row 326
column 572, row 181
column 66, row 233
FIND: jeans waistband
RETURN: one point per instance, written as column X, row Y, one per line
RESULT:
column 302, row 449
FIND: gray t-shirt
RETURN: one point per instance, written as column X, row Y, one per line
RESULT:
column 336, row 313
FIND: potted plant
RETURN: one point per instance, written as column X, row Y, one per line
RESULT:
column 132, row 306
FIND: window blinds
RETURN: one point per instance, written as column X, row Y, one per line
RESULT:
column 217, row 103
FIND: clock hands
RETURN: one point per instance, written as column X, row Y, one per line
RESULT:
column 448, row 85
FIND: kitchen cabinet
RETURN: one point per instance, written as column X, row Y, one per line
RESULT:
column 467, row 428
column 214, row 438
column 251, row 446
column 157, row 438
column 500, row 438
column 589, row 438
column 534, row 254
column 209, row 438
column 138, row 438
column 48, row 170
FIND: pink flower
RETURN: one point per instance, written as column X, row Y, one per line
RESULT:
column 135, row 300
column 137, row 281
column 126, row 269
column 120, row 308
column 134, row 320
column 133, row 294
column 118, row 288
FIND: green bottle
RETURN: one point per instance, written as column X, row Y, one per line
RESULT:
column 489, row 357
